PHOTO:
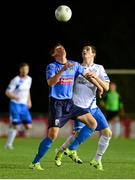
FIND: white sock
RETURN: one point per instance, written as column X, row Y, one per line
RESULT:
column 11, row 136
column 102, row 146
column 66, row 144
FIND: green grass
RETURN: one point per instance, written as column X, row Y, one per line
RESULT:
column 118, row 161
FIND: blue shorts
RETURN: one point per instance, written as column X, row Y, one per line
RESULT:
column 100, row 118
column 60, row 111
column 19, row 114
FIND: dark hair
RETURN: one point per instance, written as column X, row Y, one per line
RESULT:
column 52, row 50
column 93, row 48
column 23, row 64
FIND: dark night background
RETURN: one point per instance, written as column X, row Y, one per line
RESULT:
column 29, row 30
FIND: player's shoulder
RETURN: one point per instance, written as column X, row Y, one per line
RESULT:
column 98, row 66
column 74, row 62
column 29, row 78
column 51, row 65
column 16, row 78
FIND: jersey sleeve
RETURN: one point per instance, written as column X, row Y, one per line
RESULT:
column 103, row 75
column 80, row 69
column 50, row 71
column 30, row 82
column 12, row 85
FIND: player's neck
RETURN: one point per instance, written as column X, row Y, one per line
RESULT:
column 88, row 62
column 23, row 76
column 62, row 60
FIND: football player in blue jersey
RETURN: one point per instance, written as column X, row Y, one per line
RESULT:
column 85, row 96
column 60, row 76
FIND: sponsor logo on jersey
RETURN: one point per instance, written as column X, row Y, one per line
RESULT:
column 65, row 81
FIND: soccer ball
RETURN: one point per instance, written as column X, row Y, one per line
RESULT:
column 63, row 13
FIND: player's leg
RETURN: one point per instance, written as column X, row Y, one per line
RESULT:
column 86, row 131
column 12, row 132
column 84, row 134
column 55, row 123
column 63, row 148
column 26, row 119
column 14, row 123
column 44, row 146
column 103, row 143
column 77, row 127
column 86, row 118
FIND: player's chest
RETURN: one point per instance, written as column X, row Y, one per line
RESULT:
column 69, row 72
column 22, row 85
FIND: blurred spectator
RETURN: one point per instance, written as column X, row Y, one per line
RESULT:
column 114, row 109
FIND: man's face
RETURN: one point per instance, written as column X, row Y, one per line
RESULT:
column 87, row 52
column 113, row 87
column 24, row 71
column 59, row 51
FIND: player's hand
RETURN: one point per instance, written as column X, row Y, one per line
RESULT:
column 17, row 98
column 100, row 93
column 67, row 65
column 91, row 75
column 29, row 105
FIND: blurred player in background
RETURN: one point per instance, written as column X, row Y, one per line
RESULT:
column 113, row 105
column 18, row 92
column 85, row 96
column 60, row 77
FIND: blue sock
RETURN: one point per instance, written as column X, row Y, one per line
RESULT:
column 42, row 150
column 83, row 135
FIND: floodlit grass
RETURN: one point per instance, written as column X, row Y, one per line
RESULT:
column 118, row 161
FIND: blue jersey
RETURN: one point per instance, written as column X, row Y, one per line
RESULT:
column 64, row 87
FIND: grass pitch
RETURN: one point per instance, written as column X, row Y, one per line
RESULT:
column 118, row 161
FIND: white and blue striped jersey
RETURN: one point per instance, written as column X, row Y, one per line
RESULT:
column 20, row 88
column 85, row 92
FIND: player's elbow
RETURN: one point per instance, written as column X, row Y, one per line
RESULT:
column 51, row 82
column 106, row 88
column 7, row 93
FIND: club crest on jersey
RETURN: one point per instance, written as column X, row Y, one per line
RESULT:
column 71, row 69
column 57, row 122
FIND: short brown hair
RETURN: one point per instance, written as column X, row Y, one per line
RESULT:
column 23, row 64
column 93, row 48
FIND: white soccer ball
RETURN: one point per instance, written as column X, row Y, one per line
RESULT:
column 63, row 13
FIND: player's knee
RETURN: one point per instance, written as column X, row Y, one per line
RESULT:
column 89, row 121
column 13, row 126
column 92, row 124
column 28, row 126
column 75, row 133
column 107, row 132
column 52, row 134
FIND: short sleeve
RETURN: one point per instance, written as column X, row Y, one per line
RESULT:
column 12, row 85
column 50, row 71
column 103, row 75
column 80, row 69
column 30, row 81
